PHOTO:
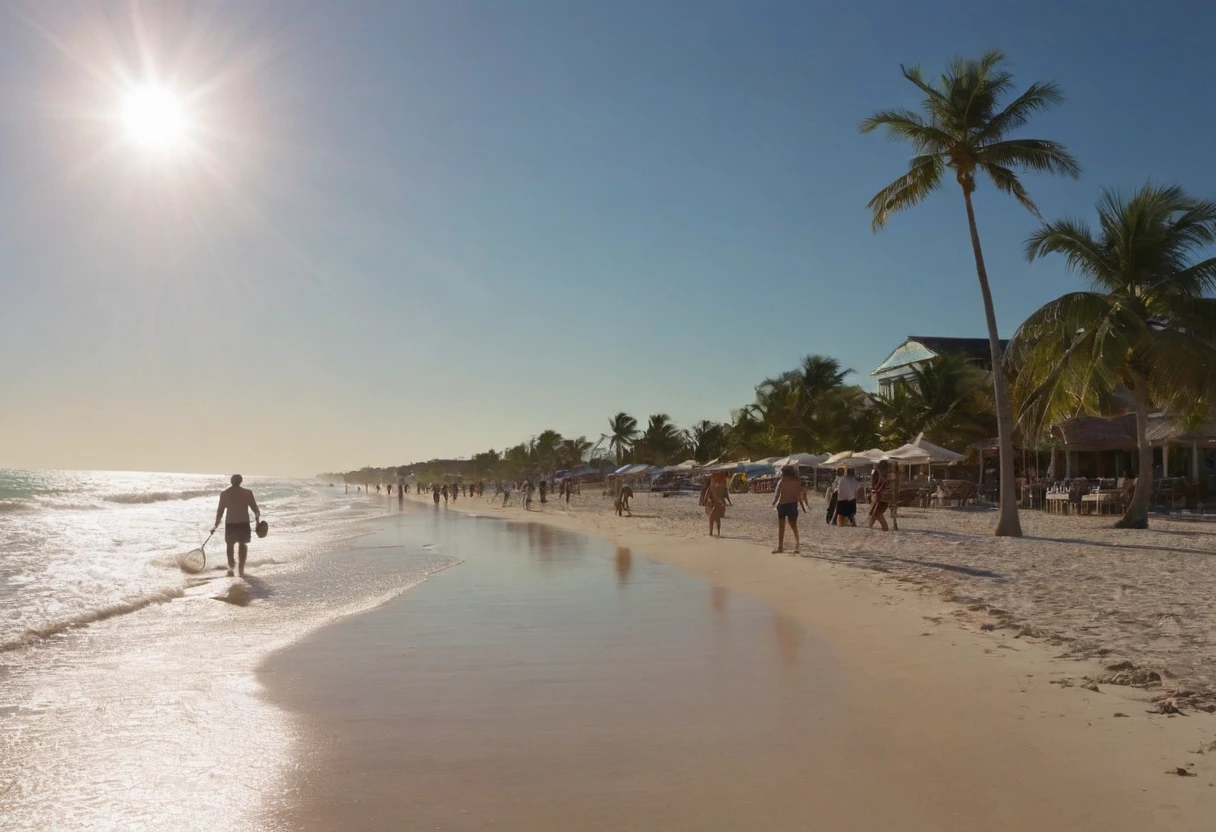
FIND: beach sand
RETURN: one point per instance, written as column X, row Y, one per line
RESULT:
column 555, row 682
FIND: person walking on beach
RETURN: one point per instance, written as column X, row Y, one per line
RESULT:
column 237, row 501
column 435, row 494
column 879, row 498
column 717, row 498
column 788, row 497
column 846, row 497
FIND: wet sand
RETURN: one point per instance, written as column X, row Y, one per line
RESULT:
column 553, row 681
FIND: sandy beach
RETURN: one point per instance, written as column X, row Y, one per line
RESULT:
column 553, row 681
column 1088, row 590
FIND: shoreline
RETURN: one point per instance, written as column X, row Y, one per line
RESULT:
column 937, row 709
column 800, row 585
column 1096, row 594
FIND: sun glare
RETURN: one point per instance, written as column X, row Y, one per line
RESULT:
column 154, row 118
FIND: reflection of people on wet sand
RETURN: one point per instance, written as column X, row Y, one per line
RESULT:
column 622, row 501
column 787, row 497
column 624, row 562
column 717, row 498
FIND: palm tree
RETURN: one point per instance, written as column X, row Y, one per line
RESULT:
column 1145, row 324
column 706, row 439
column 948, row 399
column 661, row 441
column 963, row 127
column 623, row 431
column 571, row 452
column 545, row 450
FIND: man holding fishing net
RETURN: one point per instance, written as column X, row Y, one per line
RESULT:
column 237, row 530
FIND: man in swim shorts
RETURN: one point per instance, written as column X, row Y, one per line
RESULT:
column 788, row 497
column 237, row 501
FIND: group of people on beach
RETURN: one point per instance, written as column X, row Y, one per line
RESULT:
column 789, row 497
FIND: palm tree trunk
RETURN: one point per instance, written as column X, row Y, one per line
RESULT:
column 1007, row 523
column 1136, row 516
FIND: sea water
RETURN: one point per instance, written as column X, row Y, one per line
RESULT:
column 128, row 695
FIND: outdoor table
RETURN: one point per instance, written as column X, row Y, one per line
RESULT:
column 1096, row 502
column 1056, row 503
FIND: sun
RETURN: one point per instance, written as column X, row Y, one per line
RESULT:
column 154, row 118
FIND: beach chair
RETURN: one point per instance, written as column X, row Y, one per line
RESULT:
column 954, row 492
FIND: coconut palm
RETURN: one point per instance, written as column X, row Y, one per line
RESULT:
column 571, row 452
column 623, row 431
column 1146, row 323
column 661, row 442
column 948, row 399
column 962, row 126
column 706, row 439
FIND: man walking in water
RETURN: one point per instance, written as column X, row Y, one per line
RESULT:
column 237, row 530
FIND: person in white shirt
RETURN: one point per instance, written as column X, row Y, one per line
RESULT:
column 846, row 497
column 237, row 502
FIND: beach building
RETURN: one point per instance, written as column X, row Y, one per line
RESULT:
column 918, row 350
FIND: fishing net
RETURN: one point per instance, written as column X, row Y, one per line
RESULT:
column 193, row 562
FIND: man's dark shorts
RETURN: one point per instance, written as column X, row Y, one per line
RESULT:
column 846, row 508
column 237, row 533
column 788, row 510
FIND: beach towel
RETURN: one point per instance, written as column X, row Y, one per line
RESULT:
column 831, row 512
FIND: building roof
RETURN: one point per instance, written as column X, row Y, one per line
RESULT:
column 1167, row 429
column 1091, row 433
column 918, row 348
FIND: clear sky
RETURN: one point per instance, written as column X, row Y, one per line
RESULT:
column 404, row 230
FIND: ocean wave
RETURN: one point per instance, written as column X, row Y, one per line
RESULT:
column 138, row 497
column 13, row 506
column 131, row 604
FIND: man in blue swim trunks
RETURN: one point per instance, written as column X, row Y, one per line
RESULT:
column 787, row 497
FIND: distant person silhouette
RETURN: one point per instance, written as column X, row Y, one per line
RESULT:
column 237, row 501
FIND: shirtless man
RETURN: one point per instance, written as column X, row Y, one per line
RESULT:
column 788, row 497
column 237, row 530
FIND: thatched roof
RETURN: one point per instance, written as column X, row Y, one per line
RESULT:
column 1165, row 428
column 1091, row 433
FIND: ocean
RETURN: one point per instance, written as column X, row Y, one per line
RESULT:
column 128, row 696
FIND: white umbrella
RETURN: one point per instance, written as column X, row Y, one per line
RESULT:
column 853, row 458
column 922, row 452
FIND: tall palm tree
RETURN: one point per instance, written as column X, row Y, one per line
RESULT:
column 623, row 431
column 661, row 441
column 1146, row 324
column 706, row 439
column 962, row 126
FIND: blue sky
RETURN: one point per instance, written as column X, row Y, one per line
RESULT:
column 418, row 229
